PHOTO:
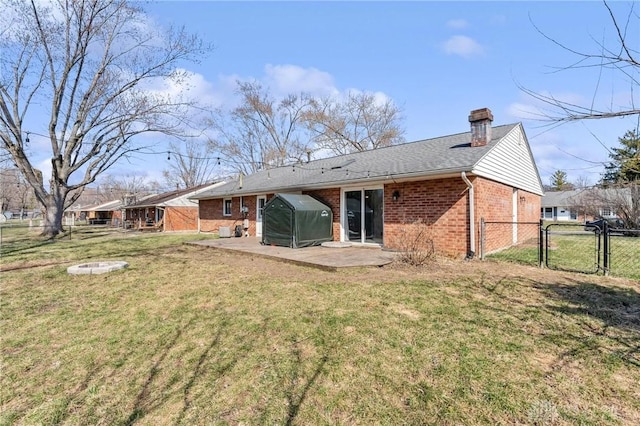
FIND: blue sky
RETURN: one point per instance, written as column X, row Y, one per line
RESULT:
column 436, row 60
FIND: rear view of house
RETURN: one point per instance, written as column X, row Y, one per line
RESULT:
column 447, row 183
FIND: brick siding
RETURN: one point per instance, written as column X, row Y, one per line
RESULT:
column 180, row 219
column 440, row 204
column 212, row 217
column 494, row 203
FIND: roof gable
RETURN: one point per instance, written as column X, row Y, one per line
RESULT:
column 511, row 162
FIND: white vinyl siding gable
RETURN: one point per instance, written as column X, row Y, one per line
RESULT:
column 511, row 162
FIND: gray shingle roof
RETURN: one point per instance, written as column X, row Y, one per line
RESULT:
column 597, row 197
column 560, row 198
column 429, row 157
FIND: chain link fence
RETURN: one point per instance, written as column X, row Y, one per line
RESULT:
column 511, row 241
column 624, row 254
column 563, row 246
column 568, row 247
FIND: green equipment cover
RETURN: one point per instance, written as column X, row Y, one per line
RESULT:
column 295, row 220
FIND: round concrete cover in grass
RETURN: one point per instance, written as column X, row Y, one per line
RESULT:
column 97, row 267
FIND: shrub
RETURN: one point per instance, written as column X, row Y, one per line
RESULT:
column 415, row 243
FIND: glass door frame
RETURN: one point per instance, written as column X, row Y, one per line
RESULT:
column 344, row 220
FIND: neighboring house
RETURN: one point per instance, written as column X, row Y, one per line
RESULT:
column 169, row 211
column 560, row 206
column 585, row 204
column 449, row 183
column 109, row 213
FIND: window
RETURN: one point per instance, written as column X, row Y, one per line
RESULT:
column 606, row 212
column 547, row 213
column 226, row 207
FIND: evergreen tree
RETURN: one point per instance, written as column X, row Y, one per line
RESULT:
column 559, row 181
column 625, row 164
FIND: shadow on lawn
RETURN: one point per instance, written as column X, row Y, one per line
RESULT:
column 148, row 400
column 295, row 399
column 617, row 308
column 141, row 406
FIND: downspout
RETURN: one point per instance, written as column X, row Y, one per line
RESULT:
column 472, row 227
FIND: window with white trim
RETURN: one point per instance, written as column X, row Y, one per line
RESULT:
column 226, row 207
column 547, row 212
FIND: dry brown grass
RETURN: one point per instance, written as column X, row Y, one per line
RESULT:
column 189, row 335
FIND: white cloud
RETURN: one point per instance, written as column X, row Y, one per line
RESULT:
column 457, row 23
column 286, row 79
column 186, row 85
column 379, row 98
column 534, row 109
column 463, row 46
column 45, row 167
column 523, row 111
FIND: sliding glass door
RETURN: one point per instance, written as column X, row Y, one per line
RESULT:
column 363, row 218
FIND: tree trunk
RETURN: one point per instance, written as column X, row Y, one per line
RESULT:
column 52, row 220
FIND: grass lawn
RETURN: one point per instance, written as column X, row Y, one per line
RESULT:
column 188, row 335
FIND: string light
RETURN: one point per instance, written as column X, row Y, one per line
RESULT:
column 265, row 166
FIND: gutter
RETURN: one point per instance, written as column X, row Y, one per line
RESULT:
column 472, row 228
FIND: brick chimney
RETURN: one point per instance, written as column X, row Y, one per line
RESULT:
column 480, row 120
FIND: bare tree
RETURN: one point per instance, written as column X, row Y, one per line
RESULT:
column 262, row 132
column 619, row 54
column 622, row 200
column 358, row 123
column 128, row 186
column 90, row 67
column 15, row 192
column 190, row 164
column 582, row 182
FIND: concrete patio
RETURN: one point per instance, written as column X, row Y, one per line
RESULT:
column 327, row 258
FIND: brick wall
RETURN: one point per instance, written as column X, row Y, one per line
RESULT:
column 180, row 219
column 442, row 205
column 212, row 218
column 439, row 204
column 494, row 203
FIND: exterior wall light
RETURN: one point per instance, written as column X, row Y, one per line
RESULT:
column 395, row 195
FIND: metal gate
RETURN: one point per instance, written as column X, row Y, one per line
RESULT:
column 569, row 247
column 576, row 247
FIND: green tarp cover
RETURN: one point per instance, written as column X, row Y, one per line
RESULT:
column 294, row 220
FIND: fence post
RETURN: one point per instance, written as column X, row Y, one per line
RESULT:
column 482, row 237
column 605, row 247
column 541, row 244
